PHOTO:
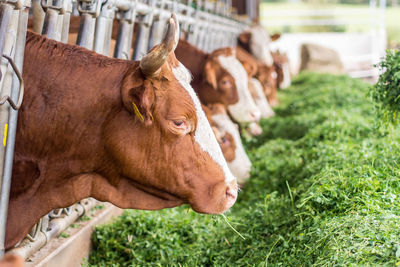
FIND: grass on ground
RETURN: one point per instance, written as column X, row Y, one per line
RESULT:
column 324, row 191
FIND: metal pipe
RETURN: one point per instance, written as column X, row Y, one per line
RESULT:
column 13, row 116
column 5, row 15
column 65, row 26
column 102, row 35
column 124, row 40
column 47, row 229
column 8, row 41
column 50, row 27
column 141, row 42
column 86, row 31
column 38, row 16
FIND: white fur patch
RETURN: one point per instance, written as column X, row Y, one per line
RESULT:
column 204, row 135
column 260, row 99
column 242, row 110
column 259, row 45
column 241, row 165
column 286, row 77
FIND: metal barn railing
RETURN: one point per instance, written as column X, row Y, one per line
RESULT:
column 358, row 34
column 206, row 24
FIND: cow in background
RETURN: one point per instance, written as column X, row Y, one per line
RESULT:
column 256, row 41
column 219, row 78
column 239, row 163
column 268, row 79
column 253, row 69
column 282, row 67
column 128, row 132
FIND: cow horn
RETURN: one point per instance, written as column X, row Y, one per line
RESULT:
column 152, row 62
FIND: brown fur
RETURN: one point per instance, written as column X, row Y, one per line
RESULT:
column 248, row 61
column 10, row 260
column 78, row 136
column 279, row 61
column 264, row 75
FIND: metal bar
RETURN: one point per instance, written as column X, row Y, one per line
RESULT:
column 65, row 26
column 5, row 14
column 47, row 229
column 13, row 116
column 103, row 30
column 86, row 31
column 9, row 21
column 50, row 27
column 125, row 31
column 124, row 40
column 143, row 33
column 38, row 16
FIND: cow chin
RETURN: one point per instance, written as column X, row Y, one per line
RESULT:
column 219, row 199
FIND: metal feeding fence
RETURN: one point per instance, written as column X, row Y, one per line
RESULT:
column 206, row 24
column 358, row 34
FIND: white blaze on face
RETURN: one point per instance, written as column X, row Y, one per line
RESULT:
column 286, row 76
column 245, row 110
column 204, row 135
column 260, row 99
column 259, row 45
column 241, row 165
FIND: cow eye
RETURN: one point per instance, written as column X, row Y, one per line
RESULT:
column 180, row 126
column 179, row 123
column 226, row 83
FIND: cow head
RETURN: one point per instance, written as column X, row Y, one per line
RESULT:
column 228, row 78
column 257, row 92
column 256, row 40
column 225, row 141
column 267, row 77
column 281, row 64
column 240, row 165
column 172, row 156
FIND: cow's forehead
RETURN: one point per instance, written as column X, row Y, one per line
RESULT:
column 204, row 135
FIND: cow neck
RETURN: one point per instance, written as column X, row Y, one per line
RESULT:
column 206, row 93
column 192, row 58
column 70, row 92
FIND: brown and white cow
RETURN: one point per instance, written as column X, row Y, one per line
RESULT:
column 240, row 164
column 255, row 87
column 256, row 41
column 257, row 92
column 282, row 67
column 219, row 78
column 268, row 77
column 127, row 132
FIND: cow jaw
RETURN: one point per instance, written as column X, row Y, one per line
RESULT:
column 241, row 165
column 206, row 140
column 260, row 99
column 245, row 109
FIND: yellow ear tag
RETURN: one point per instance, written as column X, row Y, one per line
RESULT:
column 137, row 112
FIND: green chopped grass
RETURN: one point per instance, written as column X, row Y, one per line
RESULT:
column 324, row 191
column 386, row 92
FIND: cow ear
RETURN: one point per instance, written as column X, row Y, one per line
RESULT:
column 244, row 37
column 211, row 76
column 139, row 99
column 275, row 37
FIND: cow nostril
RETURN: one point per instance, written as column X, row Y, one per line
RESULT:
column 230, row 193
